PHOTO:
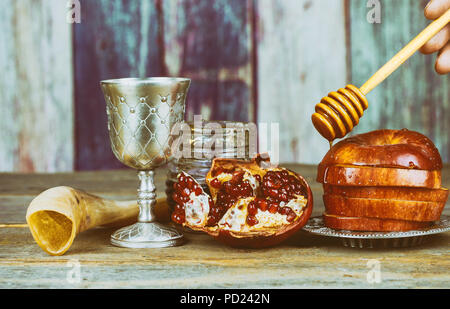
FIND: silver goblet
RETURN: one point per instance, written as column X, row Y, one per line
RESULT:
column 141, row 113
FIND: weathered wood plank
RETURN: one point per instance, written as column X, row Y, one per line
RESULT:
column 114, row 39
column 36, row 87
column 413, row 97
column 210, row 42
column 304, row 261
column 301, row 58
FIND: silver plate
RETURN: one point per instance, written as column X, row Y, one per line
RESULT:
column 356, row 239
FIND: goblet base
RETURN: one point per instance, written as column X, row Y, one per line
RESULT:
column 147, row 235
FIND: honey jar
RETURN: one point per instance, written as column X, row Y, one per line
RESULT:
column 209, row 140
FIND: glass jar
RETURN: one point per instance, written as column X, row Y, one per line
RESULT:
column 209, row 140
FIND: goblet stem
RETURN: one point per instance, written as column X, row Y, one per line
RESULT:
column 146, row 196
column 147, row 233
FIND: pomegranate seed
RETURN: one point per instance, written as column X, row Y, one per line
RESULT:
column 252, row 209
column 184, row 199
column 276, row 184
column 229, row 192
column 262, row 204
column 273, row 193
column 291, row 215
column 182, row 178
column 284, row 210
column 283, row 197
column 177, row 198
column 273, row 208
column 280, row 185
column 198, row 190
column 215, row 183
column 185, row 192
column 179, row 207
column 237, row 177
column 178, row 217
column 228, row 187
column 251, row 220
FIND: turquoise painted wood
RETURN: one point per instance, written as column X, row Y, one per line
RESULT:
column 211, row 43
column 115, row 39
column 197, row 39
column 36, row 87
column 250, row 60
column 301, row 50
column 413, row 97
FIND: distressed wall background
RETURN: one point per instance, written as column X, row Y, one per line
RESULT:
column 250, row 60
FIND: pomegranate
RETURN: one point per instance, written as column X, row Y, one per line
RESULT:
column 252, row 204
column 192, row 203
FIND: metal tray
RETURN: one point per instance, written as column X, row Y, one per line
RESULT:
column 356, row 239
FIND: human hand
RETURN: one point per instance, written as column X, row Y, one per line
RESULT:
column 440, row 42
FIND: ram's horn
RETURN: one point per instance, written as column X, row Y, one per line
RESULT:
column 56, row 216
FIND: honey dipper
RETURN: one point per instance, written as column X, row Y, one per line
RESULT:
column 338, row 113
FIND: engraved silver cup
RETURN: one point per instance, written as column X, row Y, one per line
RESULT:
column 141, row 113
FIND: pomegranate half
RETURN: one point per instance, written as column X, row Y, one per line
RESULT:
column 251, row 204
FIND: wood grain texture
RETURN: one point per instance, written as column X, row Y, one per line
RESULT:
column 304, row 261
column 115, row 39
column 210, row 42
column 36, row 87
column 301, row 58
column 413, row 97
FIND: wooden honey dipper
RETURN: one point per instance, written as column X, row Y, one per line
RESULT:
column 338, row 113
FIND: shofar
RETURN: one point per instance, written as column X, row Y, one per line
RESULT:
column 56, row 216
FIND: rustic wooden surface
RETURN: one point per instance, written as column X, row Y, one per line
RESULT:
column 304, row 261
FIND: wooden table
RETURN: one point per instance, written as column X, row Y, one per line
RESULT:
column 304, row 261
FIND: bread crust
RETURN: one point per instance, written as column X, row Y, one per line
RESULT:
column 396, row 193
column 351, row 175
column 371, row 224
column 386, row 148
column 383, row 208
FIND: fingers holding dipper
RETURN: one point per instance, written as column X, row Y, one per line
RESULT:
column 440, row 43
